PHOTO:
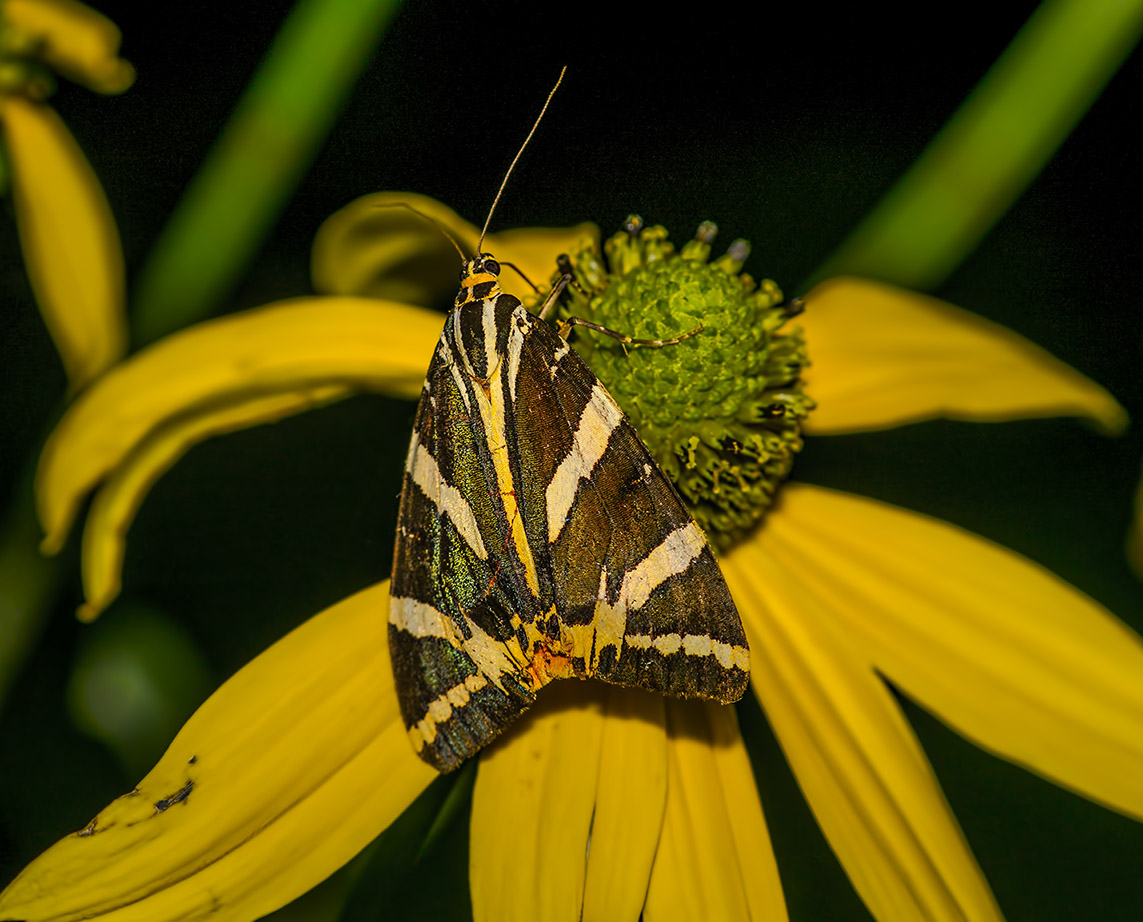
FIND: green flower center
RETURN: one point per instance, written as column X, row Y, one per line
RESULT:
column 722, row 410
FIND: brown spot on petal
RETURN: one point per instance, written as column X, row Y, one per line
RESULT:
column 165, row 803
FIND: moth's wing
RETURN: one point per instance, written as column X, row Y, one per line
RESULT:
column 456, row 681
column 637, row 589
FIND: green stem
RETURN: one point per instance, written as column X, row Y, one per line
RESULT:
column 257, row 161
column 994, row 146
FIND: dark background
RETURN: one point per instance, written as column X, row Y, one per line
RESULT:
column 784, row 125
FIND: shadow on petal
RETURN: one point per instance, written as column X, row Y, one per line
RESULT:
column 714, row 859
column 630, row 797
column 532, row 808
column 568, row 807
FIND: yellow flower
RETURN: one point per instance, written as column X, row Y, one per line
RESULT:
column 70, row 242
column 602, row 802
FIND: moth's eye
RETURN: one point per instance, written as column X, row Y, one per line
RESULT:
column 465, row 271
column 491, row 266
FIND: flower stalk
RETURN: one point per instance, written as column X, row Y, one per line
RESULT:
column 994, row 146
column 257, row 162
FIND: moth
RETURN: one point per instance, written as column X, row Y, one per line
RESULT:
column 537, row 539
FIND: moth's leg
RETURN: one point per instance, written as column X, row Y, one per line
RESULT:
column 549, row 304
column 558, row 289
column 565, row 326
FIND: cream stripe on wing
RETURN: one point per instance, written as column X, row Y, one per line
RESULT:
column 610, row 622
column 489, row 323
column 426, row 474
column 417, row 618
column 516, row 348
column 494, row 659
column 596, row 423
column 728, row 655
column 441, row 708
column 674, row 554
column 563, row 350
column 493, row 413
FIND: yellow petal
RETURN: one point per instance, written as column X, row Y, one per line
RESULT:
column 375, row 248
column 1007, row 653
column 78, row 42
column 534, row 250
column 289, row 347
column 630, row 796
column 756, row 860
column 282, row 776
column 855, row 757
column 70, row 242
column 714, row 859
column 532, row 808
column 117, row 501
column 371, row 248
column 883, row 356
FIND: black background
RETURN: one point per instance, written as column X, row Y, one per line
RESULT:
column 783, row 124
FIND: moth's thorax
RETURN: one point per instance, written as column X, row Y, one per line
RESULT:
column 477, row 287
column 479, row 333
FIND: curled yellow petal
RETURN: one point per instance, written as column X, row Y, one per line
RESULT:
column 283, row 775
column 77, row 41
column 1007, row 653
column 533, row 251
column 119, row 498
column 856, row 759
column 714, row 859
column 375, row 247
column 290, row 347
column 70, row 242
column 532, row 808
column 883, row 356
column 630, row 797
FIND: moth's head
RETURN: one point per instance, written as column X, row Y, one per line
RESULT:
column 478, row 278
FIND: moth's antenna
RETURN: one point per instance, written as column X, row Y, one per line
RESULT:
column 433, row 221
column 500, row 191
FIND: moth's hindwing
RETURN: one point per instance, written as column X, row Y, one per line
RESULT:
column 537, row 539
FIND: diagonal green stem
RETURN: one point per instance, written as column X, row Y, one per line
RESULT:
column 257, row 161
column 994, row 146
